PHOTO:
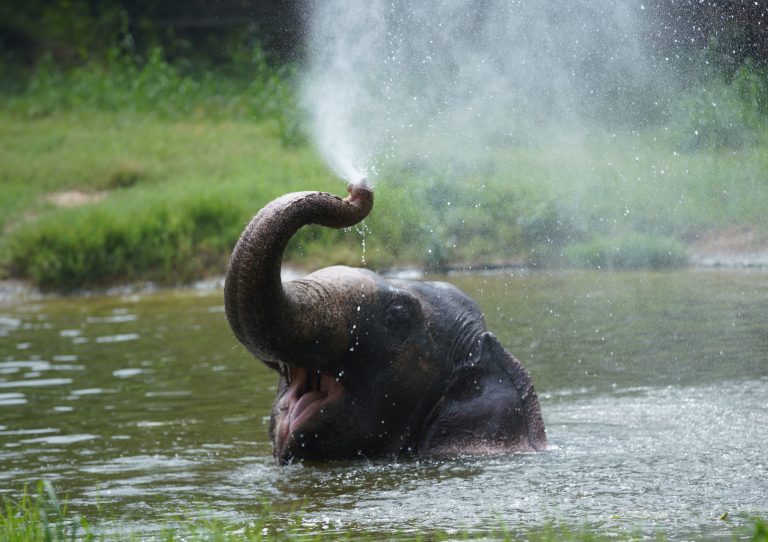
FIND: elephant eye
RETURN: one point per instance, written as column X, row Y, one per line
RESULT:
column 399, row 320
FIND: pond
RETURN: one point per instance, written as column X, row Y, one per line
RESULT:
column 653, row 388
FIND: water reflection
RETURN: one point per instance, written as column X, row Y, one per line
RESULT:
column 653, row 389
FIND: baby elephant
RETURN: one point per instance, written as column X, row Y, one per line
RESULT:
column 371, row 367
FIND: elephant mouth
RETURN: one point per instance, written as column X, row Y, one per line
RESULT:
column 309, row 392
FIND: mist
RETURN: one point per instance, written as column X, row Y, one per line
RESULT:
column 443, row 85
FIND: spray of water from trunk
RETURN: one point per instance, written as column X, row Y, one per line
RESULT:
column 444, row 84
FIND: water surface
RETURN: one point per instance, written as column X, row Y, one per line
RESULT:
column 653, row 388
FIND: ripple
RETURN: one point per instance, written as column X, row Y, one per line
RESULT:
column 36, row 383
column 7, row 324
column 145, row 423
column 10, row 399
column 119, row 338
column 128, row 372
column 40, row 431
column 92, row 391
column 138, row 463
column 65, row 357
column 61, row 439
column 169, row 393
column 31, row 365
column 114, row 319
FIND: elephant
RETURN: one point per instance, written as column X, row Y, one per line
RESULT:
column 371, row 367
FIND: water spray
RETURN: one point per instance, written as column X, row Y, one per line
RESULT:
column 447, row 85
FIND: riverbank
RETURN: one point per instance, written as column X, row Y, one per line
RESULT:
column 105, row 183
column 734, row 247
column 702, row 257
column 111, row 198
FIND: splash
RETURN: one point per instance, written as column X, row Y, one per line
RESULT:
column 444, row 84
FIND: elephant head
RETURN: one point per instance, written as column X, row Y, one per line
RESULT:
column 368, row 366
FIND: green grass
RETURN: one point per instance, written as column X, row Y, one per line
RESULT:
column 192, row 186
column 178, row 192
column 43, row 517
column 179, row 163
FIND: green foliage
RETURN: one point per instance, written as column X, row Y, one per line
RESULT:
column 634, row 251
column 124, row 82
column 461, row 221
column 170, row 238
column 760, row 533
column 73, row 30
column 185, row 152
column 179, row 192
column 41, row 518
column 751, row 85
column 727, row 112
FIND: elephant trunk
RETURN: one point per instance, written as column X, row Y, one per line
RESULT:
column 283, row 322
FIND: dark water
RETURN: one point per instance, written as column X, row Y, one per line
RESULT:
column 654, row 389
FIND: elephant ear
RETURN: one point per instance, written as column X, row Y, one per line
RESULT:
column 489, row 406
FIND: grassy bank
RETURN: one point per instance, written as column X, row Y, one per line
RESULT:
column 127, row 171
column 43, row 517
column 166, row 199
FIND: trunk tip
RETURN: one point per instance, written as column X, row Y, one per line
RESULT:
column 361, row 184
column 360, row 191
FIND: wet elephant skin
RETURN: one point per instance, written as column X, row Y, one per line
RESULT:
column 368, row 366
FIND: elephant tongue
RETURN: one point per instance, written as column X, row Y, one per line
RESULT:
column 308, row 389
column 301, row 409
column 304, row 391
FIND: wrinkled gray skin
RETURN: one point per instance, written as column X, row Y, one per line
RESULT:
column 368, row 366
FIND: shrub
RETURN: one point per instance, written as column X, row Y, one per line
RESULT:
column 166, row 239
column 247, row 88
column 633, row 251
column 727, row 113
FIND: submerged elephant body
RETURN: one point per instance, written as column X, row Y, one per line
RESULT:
column 369, row 366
